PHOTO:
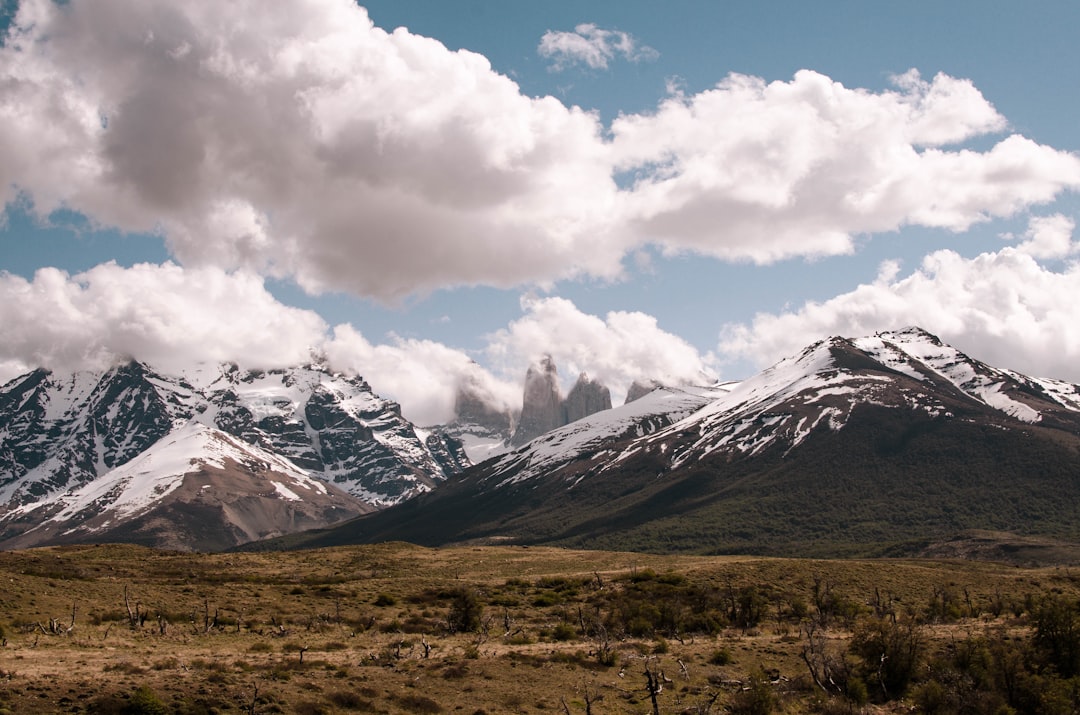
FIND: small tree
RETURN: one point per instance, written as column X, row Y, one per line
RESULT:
column 1057, row 634
column 891, row 650
column 465, row 613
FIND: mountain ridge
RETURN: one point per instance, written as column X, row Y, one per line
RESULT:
column 851, row 447
column 62, row 435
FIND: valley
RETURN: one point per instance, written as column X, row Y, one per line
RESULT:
column 395, row 628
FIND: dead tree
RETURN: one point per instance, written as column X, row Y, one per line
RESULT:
column 590, row 698
column 136, row 617
column 828, row 672
column 654, row 684
column 605, row 649
column 254, row 699
column 209, row 624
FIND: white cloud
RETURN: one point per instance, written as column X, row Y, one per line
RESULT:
column 166, row 315
column 422, row 375
column 592, row 46
column 173, row 317
column 1049, row 237
column 764, row 171
column 295, row 139
column 1001, row 307
column 616, row 350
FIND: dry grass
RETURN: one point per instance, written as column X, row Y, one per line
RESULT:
column 301, row 632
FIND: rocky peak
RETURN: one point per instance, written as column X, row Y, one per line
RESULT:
column 474, row 406
column 586, row 397
column 543, row 408
column 640, row 388
column 541, row 405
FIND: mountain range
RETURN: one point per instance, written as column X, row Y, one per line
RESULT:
column 876, row 445
column 206, row 460
column 870, row 446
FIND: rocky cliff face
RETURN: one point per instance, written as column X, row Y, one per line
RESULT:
column 587, row 397
column 473, row 406
column 58, row 432
column 334, row 426
column 542, row 407
column 640, row 388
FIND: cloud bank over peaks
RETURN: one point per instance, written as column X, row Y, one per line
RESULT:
column 1004, row 307
column 174, row 318
column 422, row 375
column 166, row 315
column 615, row 350
column 591, row 46
column 297, row 140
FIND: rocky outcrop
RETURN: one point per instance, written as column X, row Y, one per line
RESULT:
column 473, row 405
column 541, row 405
column 587, row 397
column 640, row 388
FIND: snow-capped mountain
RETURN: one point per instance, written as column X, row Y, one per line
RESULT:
column 67, row 441
column 197, row 487
column 879, row 440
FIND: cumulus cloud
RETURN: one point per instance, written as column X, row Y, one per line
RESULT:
column 165, row 315
column 616, row 350
column 297, row 140
column 764, row 171
column 1049, row 237
column 174, row 318
column 592, row 46
column 1002, row 307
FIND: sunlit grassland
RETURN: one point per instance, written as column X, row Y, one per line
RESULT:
column 398, row 628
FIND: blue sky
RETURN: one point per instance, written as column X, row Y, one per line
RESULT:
column 680, row 190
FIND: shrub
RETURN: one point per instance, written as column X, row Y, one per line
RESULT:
column 757, row 699
column 1057, row 634
column 418, row 703
column 145, row 701
column 563, row 632
column 720, row 657
column 350, row 701
column 465, row 611
column 891, row 652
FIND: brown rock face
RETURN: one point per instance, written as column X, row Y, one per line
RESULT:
column 587, row 397
column 473, row 406
column 639, row 389
column 541, row 406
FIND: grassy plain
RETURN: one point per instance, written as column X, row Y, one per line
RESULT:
column 395, row 628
